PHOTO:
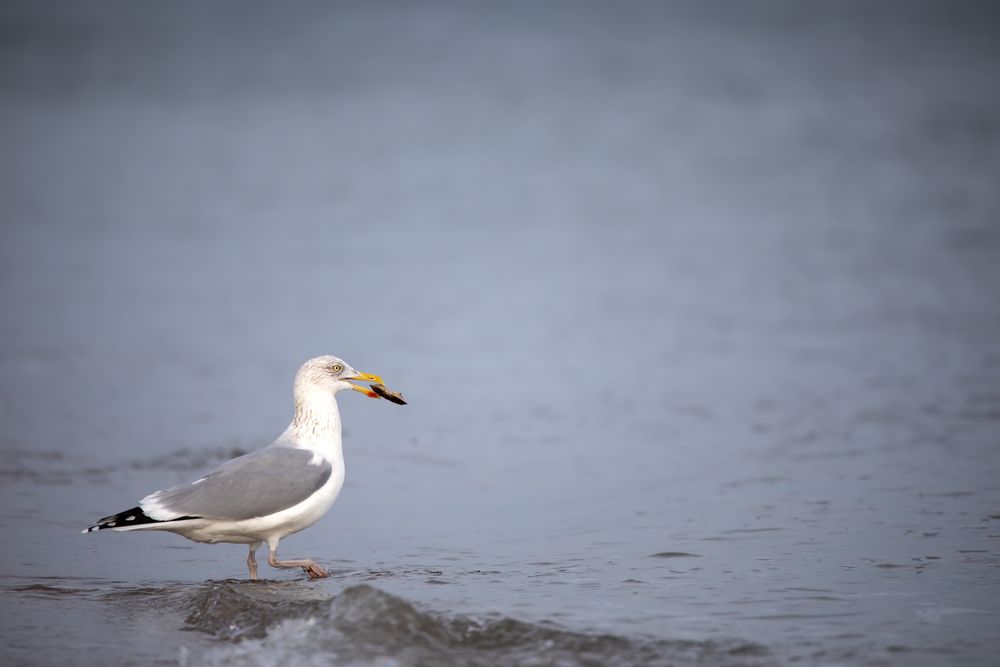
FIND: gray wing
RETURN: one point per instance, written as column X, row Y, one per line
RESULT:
column 256, row 484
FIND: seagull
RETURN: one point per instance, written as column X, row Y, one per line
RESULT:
column 268, row 494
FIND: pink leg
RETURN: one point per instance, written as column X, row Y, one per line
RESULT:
column 252, row 561
column 311, row 568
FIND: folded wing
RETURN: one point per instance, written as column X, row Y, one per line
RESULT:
column 258, row 484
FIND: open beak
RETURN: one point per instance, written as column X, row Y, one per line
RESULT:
column 365, row 377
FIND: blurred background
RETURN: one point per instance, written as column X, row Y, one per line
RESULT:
column 713, row 279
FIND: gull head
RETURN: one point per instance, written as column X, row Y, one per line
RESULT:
column 332, row 374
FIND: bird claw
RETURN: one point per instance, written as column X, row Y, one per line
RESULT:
column 315, row 571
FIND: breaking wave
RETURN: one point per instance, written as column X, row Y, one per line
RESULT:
column 365, row 626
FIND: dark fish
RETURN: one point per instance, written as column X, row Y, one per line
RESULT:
column 388, row 394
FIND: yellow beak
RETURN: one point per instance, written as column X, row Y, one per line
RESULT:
column 366, row 377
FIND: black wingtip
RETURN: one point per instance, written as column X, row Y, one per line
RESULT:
column 130, row 517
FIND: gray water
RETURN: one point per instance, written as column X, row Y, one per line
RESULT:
column 697, row 308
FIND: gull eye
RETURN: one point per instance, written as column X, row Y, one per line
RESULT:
column 336, row 368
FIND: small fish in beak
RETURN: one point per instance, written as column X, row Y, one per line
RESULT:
column 388, row 394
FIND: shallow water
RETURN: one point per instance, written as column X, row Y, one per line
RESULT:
column 694, row 305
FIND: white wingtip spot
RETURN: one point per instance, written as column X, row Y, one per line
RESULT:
column 130, row 517
column 111, row 524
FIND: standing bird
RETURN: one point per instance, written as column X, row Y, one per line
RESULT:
column 270, row 493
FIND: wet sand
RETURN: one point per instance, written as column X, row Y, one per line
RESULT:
column 694, row 307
